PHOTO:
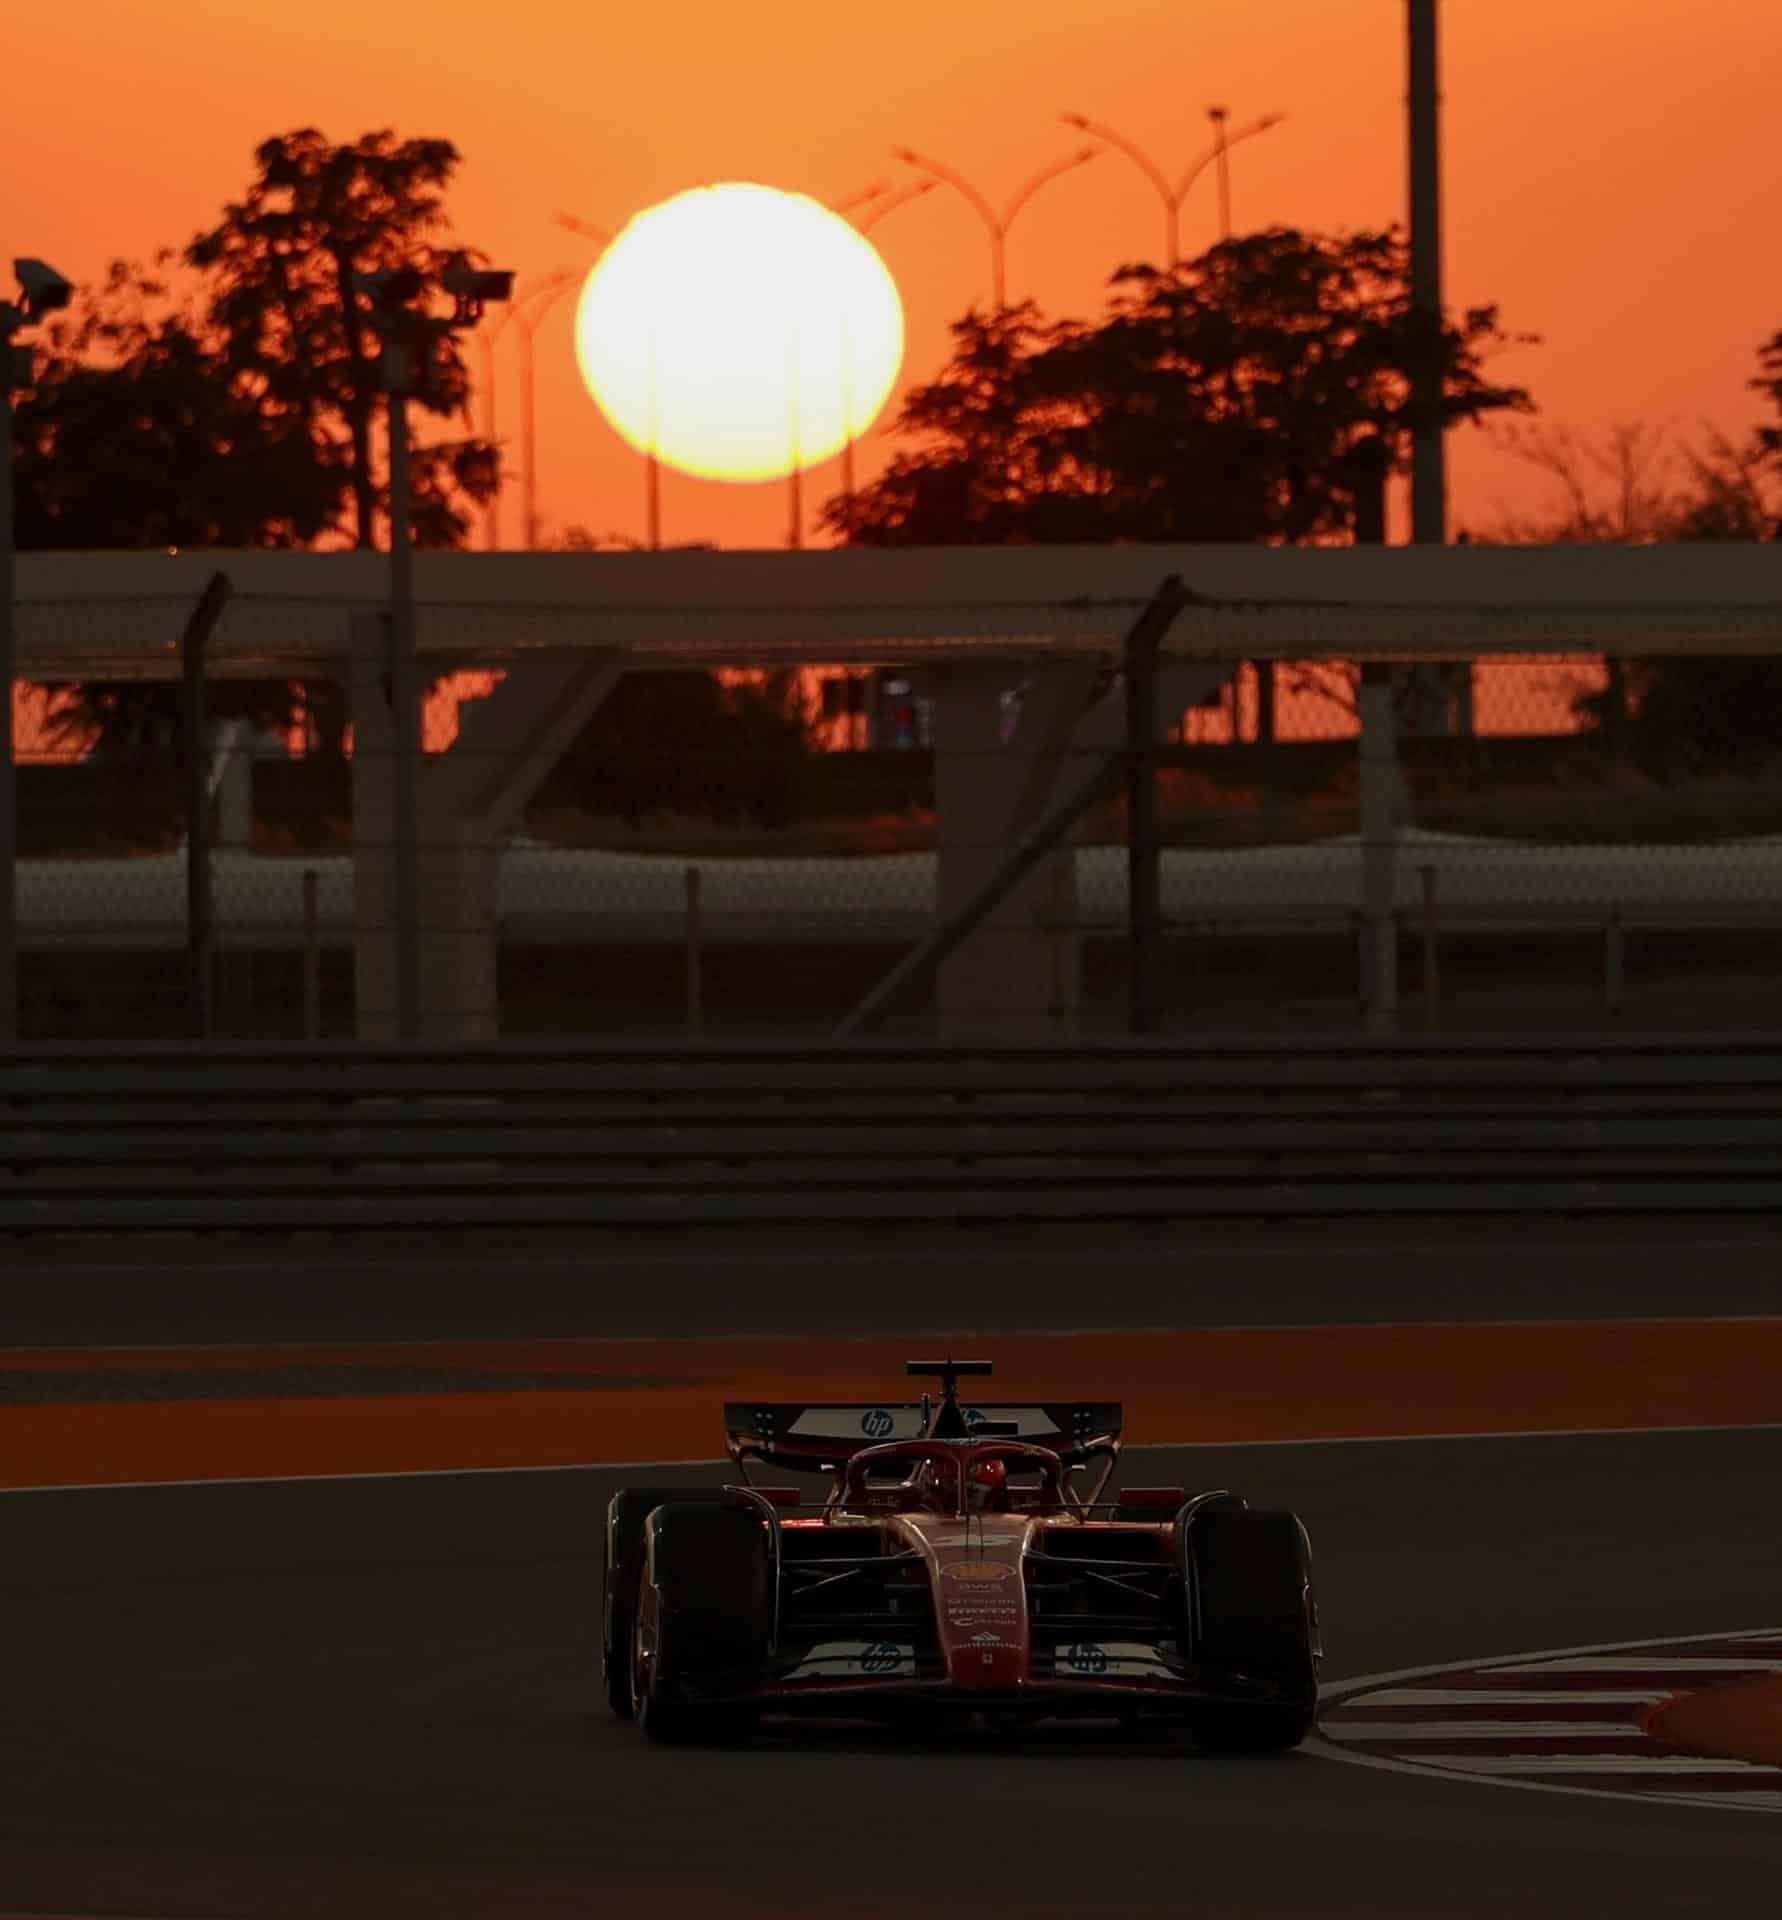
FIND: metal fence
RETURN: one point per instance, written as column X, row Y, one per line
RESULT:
column 1567, row 860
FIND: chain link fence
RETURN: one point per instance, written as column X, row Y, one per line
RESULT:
column 1604, row 844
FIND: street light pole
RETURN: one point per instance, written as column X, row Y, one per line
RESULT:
column 527, row 311
column 883, row 203
column 863, row 209
column 41, row 290
column 1221, row 152
column 396, row 372
column 1429, row 488
column 12, row 372
column 888, row 204
column 997, row 224
column 874, row 190
column 1174, row 196
column 544, row 298
column 1172, row 240
column 407, row 336
column 652, row 464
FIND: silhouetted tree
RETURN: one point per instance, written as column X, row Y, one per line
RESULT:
column 135, row 435
column 279, row 270
column 1700, row 714
column 1636, row 485
column 690, row 743
column 1768, row 382
column 1221, row 401
column 242, row 413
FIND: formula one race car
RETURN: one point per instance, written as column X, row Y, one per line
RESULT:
column 956, row 1567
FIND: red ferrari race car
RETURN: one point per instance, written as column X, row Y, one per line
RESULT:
column 955, row 1566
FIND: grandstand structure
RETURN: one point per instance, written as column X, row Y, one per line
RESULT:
column 1021, row 650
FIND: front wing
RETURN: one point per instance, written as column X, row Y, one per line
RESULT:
column 1082, row 1676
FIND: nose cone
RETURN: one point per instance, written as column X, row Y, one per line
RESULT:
column 980, row 1600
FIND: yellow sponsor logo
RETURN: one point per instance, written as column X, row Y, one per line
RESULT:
column 977, row 1570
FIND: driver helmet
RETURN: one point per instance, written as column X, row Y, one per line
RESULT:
column 987, row 1486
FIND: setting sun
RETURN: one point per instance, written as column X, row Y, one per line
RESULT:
column 738, row 332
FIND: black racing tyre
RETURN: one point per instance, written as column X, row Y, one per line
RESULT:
column 1249, row 1573
column 626, row 1513
column 703, row 1617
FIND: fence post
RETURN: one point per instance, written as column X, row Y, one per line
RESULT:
column 201, row 980
column 1059, row 918
column 1379, row 844
column 695, row 977
column 1144, row 872
column 1431, row 980
column 312, row 958
column 1614, row 962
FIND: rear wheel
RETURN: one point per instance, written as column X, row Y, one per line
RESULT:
column 625, row 1516
column 1249, row 1571
column 701, row 1622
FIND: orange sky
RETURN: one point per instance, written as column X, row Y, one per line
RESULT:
column 1612, row 168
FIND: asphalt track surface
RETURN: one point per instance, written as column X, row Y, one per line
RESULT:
column 378, row 1697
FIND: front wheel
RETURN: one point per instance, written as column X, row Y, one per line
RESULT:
column 1254, row 1618
column 625, row 1516
column 701, row 1622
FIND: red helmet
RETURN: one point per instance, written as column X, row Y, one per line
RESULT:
column 987, row 1486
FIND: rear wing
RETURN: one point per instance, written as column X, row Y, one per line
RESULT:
column 811, row 1438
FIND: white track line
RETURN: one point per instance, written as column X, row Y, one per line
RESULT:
column 1331, row 1749
column 1643, row 1663
column 1487, row 1696
column 1635, row 1766
column 1359, row 1730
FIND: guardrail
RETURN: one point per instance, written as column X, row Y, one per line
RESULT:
column 613, row 1139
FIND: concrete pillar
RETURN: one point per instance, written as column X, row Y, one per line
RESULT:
column 469, row 799
column 998, row 765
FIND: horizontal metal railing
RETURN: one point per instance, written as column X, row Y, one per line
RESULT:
column 611, row 1138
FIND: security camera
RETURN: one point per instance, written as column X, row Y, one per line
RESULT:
column 474, row 287
column 391, row 286
column 466, row 282
column 44, row 288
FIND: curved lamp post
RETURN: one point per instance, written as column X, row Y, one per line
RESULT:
column 1173, row 196
column 529, row 307
column 850, row 202
column 883, row 202
column 863, row 210
column 998, row 224
column 652, row 465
